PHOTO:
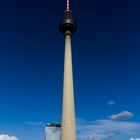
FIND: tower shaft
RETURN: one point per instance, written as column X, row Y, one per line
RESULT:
column 68, row 111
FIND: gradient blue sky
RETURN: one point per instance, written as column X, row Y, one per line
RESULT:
column 106, row 63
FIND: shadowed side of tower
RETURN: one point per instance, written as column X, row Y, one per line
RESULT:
column 68, row 27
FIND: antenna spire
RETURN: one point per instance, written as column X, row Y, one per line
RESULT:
column 68, row 5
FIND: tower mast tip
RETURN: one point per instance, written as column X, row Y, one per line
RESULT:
column 68, row 5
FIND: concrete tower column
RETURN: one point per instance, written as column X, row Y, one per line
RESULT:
column 68, row 111
column 67, row 27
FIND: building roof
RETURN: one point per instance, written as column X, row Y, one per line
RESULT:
column 53, row 125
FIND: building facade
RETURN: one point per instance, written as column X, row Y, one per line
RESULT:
column 52, row 132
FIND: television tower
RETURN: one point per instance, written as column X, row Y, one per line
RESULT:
column 67, row 27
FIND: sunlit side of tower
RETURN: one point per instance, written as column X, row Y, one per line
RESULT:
column 68, row 27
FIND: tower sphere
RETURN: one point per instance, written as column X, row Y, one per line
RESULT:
column 67, row 24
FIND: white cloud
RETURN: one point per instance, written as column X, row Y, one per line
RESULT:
column 107, row 130
column 111, row 103
column 6, row 137
column 135, row 139
column 122, row 115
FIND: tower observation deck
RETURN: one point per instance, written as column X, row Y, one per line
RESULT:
column 67, row 24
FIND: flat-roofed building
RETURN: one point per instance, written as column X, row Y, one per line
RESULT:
column 52, row 131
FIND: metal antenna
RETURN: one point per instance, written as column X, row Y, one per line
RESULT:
column 68, row 5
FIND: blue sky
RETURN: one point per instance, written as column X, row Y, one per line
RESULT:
column 106, row 64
